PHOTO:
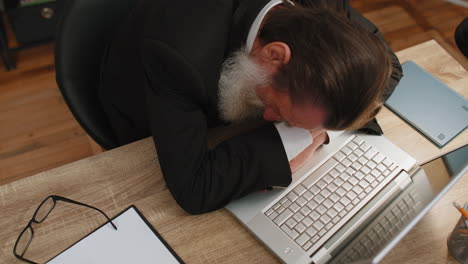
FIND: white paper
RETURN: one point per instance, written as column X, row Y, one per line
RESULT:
column 294, row 139
column 132, row 242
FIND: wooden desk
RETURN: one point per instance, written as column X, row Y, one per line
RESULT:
column 128, row 175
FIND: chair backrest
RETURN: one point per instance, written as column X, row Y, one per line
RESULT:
column 84, row 30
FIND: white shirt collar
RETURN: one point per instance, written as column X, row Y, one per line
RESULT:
column 257, row 22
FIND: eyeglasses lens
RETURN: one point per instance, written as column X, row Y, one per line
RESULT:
column 44, row 210
column 23, row 242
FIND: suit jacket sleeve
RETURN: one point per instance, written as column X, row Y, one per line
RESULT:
column 201, row 179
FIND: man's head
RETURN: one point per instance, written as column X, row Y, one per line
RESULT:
column 323, row 70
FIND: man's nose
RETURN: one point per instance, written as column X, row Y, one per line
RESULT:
column 270, row 115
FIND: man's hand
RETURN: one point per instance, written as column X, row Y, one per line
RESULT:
column 319, row 138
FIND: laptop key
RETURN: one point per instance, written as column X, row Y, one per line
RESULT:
column 358, row 140
column 371, row 165
column 321, row 209
column 363, row 160
column 318, row 225
column 300, row 228
column 298, row 216
column 291, row 223
column 283, row 216
column 356, row 166
column 311, row 231
column 344, row 176
column 352, row 145
column 325, row 218
column 322, row 232
column 346, row 150
column 308, row 195
column 290, row 232
column 347, row 186
column 381, row 167
column 302, row 239
column 319, row 198
column 292, row 196
column 269, row 212
column 340, row 168
column 328, row 203
column 359, row 175
column 321, row 184
column 358, row 152
column 294, row 207
column 314, row 189
column 346, row 162
column 345, row 201
column 332, row 187
column 287, row 203
column 273, row 215
column 314, row 239
column 338, row 181
column 339, row 156
column 332, row 213
column 307, row 221
column 312, row 204
column 334, row 198
column 301, row 201
column 299, row 190
column 378, row 158
column 327, row 178
column 307, row 245
column 338, row 207
column 305, row 210
column 365, row 170
column 334, row 173
column 325, row 193
column 314, row 215
column 281, row 209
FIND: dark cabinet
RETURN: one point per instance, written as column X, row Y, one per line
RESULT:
column 32, row 22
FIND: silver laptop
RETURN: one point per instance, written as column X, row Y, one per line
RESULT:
column 350, row 203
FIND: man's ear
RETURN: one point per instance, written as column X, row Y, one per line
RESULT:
column 274, row 54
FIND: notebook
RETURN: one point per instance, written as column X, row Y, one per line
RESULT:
column 430, row 106
column 134, row 241
column 347, row 184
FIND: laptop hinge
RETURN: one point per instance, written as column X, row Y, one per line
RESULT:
column 321, row 256
column 403, row 180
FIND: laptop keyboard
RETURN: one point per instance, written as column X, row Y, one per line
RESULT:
column 316, row 208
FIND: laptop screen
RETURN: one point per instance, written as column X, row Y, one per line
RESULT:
column 394, row 220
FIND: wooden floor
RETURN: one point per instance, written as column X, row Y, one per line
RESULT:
column 37, row 131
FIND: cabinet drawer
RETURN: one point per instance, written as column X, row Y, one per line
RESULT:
column 35, row 23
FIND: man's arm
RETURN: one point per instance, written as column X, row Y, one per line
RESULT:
column 203, row 180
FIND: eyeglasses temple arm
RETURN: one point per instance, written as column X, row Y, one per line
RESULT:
column 60, row 198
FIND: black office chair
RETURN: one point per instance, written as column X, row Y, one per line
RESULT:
column 461, row 36
column 84, row 30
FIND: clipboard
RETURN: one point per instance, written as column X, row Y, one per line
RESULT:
column 134, row 241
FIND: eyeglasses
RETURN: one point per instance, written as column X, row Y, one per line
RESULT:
column 41, row 213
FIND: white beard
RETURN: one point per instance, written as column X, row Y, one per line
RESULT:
column 240, row 75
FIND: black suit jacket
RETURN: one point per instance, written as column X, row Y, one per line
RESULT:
column 160, row 78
